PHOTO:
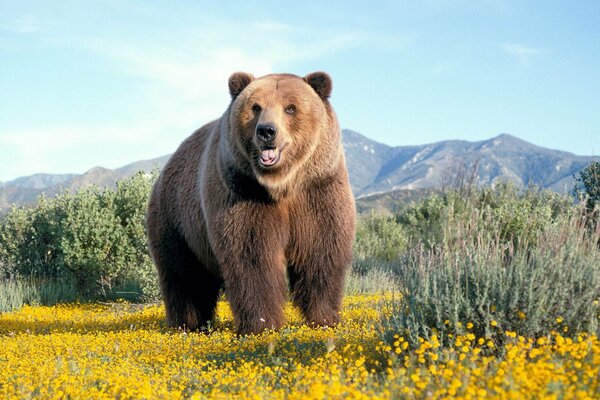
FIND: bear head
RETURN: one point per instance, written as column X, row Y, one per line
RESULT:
column 277, row 123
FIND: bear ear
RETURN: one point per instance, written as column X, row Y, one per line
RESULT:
column 238, row 81
column 321, row 83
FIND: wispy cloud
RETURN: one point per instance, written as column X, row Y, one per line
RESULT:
column 21, row 26
column 186, row 82
column 523, row 54
column 183, row 85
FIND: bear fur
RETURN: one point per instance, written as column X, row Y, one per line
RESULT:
column 256, row 196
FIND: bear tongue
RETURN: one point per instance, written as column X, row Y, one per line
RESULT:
column 268, row 154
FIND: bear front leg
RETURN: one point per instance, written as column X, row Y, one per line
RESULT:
column 256, row 293
column 249, row 242
column 317, row 289
column 320, row 256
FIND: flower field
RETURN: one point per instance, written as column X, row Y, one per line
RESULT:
column 124, row 351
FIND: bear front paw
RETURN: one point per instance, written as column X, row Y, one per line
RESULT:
column 324, row 321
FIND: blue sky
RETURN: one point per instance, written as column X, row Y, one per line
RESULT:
column 111, row 82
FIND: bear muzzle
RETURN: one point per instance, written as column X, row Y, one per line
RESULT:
column 269, row 155
column 270, row 152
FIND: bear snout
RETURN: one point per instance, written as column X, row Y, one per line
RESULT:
column 266, row 132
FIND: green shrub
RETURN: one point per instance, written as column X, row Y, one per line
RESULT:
column 519, row 214
column 423, row 220
column 379, row 242
column 93, row 238
column 587, row 185
column 522, row 215
column 131, row 203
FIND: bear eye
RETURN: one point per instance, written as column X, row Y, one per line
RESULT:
column 291, row 109
column 256, row 108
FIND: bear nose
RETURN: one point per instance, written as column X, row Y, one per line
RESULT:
column 266, row 132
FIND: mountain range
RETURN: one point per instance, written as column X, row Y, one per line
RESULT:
column 373, row 167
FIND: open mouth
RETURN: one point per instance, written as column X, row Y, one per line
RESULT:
column 269, row 156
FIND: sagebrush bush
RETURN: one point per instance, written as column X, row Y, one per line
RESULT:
column 524, row 270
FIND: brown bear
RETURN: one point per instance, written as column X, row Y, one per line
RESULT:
column 257, row 195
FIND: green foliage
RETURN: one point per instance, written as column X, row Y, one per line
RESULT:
column 424, row 219
column 518, row 215
column 379, row 242
column 379, row 237
column 95, row 239
column 588, row 184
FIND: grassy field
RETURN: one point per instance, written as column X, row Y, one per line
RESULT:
column 124, row 351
